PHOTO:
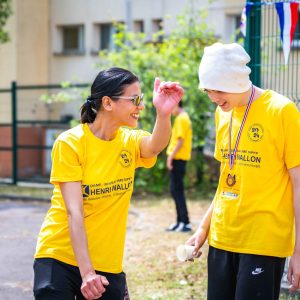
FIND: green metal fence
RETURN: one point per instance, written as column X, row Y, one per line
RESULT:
column 265, row 48
column 11, row 148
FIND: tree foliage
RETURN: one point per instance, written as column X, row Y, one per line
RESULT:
column 172, row 58
column 5, row 12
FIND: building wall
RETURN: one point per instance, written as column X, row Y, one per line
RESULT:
column 90, row 13
column 25, row 57
column 222, row 16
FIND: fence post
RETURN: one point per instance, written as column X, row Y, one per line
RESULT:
column 14, row 132
column 252, row 41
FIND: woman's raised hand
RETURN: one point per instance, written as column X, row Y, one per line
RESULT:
column 166, row 96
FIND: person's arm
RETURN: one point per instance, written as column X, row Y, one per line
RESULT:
column 172, row 155
column 92, row 284
column 166, row 96
column 294, row 266
column 200, row 236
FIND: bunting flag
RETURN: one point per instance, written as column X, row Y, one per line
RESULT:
column 243, row 24
column 288, row 18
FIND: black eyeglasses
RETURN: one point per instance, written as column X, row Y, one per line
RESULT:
column 136, row 100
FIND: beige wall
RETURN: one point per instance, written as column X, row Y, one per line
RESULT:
column 92, row 12
column 25, row 57
column 221, row 16
column 32, row 41
column 8, row 54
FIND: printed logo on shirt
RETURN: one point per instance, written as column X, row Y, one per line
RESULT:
column 125, row 158
column 257, row 271
column 255, row 132
column 107, row 189
column 243, row 157
column 85, row 190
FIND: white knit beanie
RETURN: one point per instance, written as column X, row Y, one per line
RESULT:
column 224, row 68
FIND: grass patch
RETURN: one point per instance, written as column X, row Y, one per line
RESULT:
column 153, row 271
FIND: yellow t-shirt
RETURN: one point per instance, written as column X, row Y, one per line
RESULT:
column 256, row 215
column 182, row 128
column 106, row 170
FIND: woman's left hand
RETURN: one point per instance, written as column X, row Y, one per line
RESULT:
column 166, row 96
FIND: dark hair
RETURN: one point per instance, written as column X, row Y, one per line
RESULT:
column 110, row 82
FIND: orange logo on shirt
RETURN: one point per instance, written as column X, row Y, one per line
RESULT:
column 125, row 158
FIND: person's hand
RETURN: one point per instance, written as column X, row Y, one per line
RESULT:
column 197, row 240
column 93, row 285
column 166, row 96
column 169, row 163
column 293, row 275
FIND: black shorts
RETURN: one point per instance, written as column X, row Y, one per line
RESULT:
column 236, row 276
column 55, row 280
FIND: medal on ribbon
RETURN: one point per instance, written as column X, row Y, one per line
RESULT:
column 230, row 180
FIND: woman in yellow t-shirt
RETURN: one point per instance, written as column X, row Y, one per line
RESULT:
column 80, row 246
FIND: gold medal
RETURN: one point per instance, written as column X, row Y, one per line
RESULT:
column 230, row 180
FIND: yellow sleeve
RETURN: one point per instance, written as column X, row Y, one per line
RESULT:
column 291, row 125
column 66, row 165
column 142, row 162
column 179, row 128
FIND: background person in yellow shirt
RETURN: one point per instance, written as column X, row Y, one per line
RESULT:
column 179, row 152
column 253, row 223
column 81, row 243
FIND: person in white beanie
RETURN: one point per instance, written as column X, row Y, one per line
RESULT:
column 253, row 223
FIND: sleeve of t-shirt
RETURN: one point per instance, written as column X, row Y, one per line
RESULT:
column 140, row 161
column 66, row 166
column 180, row 127
column 291, row 125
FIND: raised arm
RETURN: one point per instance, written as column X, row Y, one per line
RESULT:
column 166, row 95
column 93, row 285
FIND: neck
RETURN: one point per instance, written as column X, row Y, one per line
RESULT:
column 103, row 130
column 246, row 96
column 180, row 110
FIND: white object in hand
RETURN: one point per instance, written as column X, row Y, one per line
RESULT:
column 185, row 252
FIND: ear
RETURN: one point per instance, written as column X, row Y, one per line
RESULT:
column 107, row 103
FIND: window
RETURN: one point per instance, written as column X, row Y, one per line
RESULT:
column 231, row 29
column 72, row 39
column 106, row 36
column 156, row 27
column 238, row 34
column 138, row 26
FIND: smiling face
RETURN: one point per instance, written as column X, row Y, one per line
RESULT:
column 227, row 101
column 126, row 112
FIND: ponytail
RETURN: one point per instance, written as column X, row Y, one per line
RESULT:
column 88, row 111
